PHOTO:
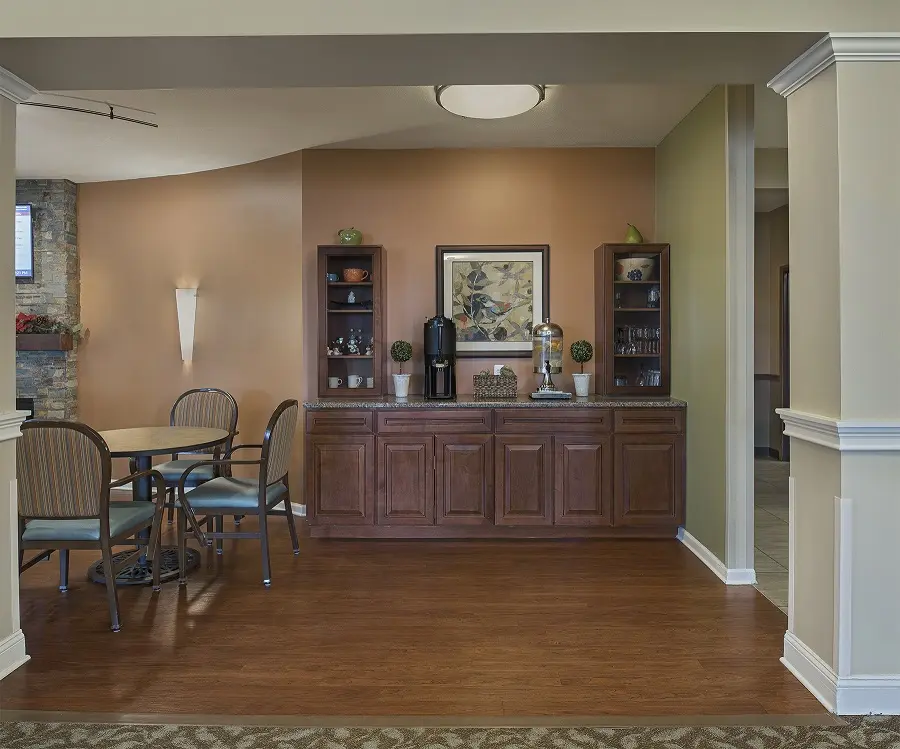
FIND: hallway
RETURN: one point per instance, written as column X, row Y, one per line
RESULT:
column 771, row 530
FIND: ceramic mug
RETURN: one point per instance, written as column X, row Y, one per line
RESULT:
column 335, row 382
column 354, row 381
column 355, row 275
column 332, row 277
column 370, row 382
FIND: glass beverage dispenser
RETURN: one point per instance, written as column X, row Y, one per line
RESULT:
column 547, row 353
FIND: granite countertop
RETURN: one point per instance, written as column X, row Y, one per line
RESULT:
column 467, row 401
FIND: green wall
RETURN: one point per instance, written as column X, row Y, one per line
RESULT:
column 691, row 176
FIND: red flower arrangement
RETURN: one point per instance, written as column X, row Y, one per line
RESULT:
column 26, row 324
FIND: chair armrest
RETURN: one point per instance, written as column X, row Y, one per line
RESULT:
column 217, row 462
column 154, row 475
column 242, row 447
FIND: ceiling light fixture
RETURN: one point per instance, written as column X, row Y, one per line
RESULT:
column 489, row 102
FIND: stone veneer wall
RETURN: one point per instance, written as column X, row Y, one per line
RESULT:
column 50, row 377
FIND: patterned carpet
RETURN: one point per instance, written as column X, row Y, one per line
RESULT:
column 871, row 732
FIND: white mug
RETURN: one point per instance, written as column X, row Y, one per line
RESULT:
column 335, row 382
column 370, row 382
column 354, row 381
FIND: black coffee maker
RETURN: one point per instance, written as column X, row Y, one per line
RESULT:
column 440, row 358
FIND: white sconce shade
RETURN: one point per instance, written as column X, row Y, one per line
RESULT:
column 186, row 301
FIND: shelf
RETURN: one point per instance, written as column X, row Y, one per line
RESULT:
column 349, row 312
column 636, row 309
column 352, row 356
column 637, row 356
column 349, row 283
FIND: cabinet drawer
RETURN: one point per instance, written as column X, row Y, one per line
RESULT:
column 435, row 420
column 538, row 420
column 650, row 420
column 350, row 421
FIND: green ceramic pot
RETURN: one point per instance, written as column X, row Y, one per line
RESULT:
column 349, row 236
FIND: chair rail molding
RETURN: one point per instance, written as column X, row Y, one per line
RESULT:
column 9, row 424
column 835, row 48
column 845, row 435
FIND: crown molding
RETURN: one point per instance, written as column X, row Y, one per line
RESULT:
column 843, row 435
column 14, row 88
column 835, row 48
column 10, row 421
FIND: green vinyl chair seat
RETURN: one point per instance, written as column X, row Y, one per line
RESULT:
column 233, row 494
column 171, row 470
column 122, row 517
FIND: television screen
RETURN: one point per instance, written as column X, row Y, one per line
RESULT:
column 24, row 244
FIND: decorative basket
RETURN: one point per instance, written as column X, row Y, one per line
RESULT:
column 495, row 387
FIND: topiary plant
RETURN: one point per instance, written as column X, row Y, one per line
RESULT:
column 401, row 351
column 582, row 352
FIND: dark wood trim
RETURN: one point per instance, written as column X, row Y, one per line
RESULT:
column 766, row 452
column 769, row 377
column 785, row 349
column 44, row 342
column 489, row 531
column 441, row 250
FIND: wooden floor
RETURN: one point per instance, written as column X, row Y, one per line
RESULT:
column 383, row 628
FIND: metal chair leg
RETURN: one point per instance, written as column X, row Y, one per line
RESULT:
column 63, row 570
column 220, row 527
column 264, row 543
column 295, row 542
column 111, row 595
column 209, row 529
column 182, row 548
column 170, row 512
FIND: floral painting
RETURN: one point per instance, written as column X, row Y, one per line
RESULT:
column 494, row 296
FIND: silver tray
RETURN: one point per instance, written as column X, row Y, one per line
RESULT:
column 542, row 395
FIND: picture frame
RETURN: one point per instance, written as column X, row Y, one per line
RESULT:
column 495, row 295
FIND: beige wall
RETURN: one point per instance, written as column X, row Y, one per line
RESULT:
column 770, row 166
column 691, row 215
column 410, row 201
column 236, row 234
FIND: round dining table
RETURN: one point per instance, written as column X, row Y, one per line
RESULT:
column 142, row 444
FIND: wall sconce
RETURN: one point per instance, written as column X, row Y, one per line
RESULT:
column 186, row 301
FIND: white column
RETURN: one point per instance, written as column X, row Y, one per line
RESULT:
column 843, row 638
column 12, row 642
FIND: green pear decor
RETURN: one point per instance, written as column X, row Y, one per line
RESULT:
column 633, row 236
column 582, row 352
column 349, row 236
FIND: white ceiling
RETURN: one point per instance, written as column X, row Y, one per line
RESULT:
column 214, row 128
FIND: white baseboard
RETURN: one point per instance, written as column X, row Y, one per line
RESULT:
column 845, row 695
column 12, row 653
column 727, row 576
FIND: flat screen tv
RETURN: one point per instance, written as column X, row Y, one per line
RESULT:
column 24, row 245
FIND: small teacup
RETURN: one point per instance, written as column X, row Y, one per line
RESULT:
column 335, row 382
column 354, row 381
column 332, row 277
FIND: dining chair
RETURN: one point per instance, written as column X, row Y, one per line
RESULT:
column 63, row 470
column 227, row 495
column 200, row 407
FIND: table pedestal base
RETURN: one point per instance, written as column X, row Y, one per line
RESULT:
column 140, row 573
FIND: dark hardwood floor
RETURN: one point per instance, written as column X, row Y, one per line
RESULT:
column 412, row 628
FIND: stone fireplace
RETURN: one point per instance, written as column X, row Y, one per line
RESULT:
column 50, row 377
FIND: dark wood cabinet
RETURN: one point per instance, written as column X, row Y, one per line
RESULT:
column 435, row 471
column 649, row 480
column 340, row 471
column 405, row 468
column 583, row 480
column 523, row 480
column 464, row 479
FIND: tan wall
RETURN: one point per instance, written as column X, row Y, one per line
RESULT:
column 236, row 234
column 691, row 215
column 770, row 168
column 412, row 200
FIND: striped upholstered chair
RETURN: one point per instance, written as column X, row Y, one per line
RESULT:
column 201, row 407
column 226, row 495
column 63, row 470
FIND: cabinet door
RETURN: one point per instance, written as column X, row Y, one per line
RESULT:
column 464, row 479
column 583, row 480
column 649, row 479
column 523, row 475
column 405, row 494
column 340, row 474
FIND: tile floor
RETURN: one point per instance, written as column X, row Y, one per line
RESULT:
column 771, row 531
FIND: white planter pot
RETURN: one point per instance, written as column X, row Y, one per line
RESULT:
column 582, row 384
column 401, row 385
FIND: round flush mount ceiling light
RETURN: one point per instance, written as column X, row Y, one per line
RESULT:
column 489, row 102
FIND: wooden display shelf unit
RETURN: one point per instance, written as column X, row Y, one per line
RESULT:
column 633, row 315
column 44, row 342
column 334, row 323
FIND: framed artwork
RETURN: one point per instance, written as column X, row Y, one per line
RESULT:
column 495, row 295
